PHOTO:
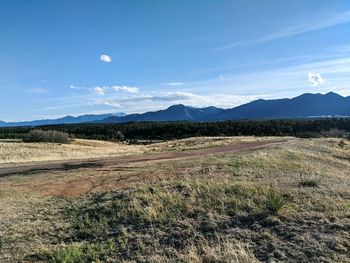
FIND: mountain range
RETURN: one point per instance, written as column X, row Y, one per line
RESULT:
column 304, row 106
column 88, row 118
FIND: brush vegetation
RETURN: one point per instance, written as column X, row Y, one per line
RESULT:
column 47, row 136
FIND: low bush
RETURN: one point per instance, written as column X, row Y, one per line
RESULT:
column 274, row 202
column 99, row 252
column 46, row 136
column 308, row 183
column 342, row 144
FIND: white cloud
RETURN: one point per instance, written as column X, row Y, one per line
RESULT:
column 126, row 89
column 99, row 91
column 37, row 90
column 78, row 87
column 316, row 79
column 151, row 101
column 106, row 58
column 73, row 87
column 175, row 84
column 315, row 24
column 111, row 103
column 174, row 97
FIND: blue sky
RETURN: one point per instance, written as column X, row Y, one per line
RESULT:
column 63, row 57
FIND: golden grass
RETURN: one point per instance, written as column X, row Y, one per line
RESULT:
column 222, row 250
column 18, row 152
column 12, row 152
column 204, row 142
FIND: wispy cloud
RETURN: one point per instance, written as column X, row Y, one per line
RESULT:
column 102, row 90
column 166, row 99
column 37, row 90
column 283, row 80
column 175, row 84
column 126, row 89
column 112, row 104
column 319, row 23
column 105, row 58
column 74, row 87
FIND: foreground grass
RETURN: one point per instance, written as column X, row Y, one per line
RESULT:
column 118, row 225
column 285, row 203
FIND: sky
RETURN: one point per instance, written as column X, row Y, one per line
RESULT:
column 73, row 57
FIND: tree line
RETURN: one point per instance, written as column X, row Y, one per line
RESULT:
column 178, row 130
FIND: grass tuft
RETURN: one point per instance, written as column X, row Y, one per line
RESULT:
column 84, row 253
column 274, row 202
column 308, row 183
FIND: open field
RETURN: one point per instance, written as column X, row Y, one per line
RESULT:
column 14, row 151
column 287, row 202
column 68, row 165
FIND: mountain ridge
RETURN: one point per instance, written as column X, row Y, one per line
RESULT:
column 307, row 105
column 86, row 118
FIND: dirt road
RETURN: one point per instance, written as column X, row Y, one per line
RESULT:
column 40, row 167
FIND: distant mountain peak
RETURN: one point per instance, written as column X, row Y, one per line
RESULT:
column 303, row 106
column 177, row 106
column 333, row 94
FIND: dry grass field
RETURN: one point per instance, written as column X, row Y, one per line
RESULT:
column 286, row 202
column 15, row 152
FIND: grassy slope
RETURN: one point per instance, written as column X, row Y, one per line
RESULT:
column 284, row 203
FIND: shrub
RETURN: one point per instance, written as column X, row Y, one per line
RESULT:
column 342, row 144
column 46, row 136
column 308, row 183
column 120, row 136
column 274, row 202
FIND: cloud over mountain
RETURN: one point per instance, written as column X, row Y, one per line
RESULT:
column 316, row 79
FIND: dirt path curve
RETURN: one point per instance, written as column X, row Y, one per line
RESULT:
column 66, row 165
